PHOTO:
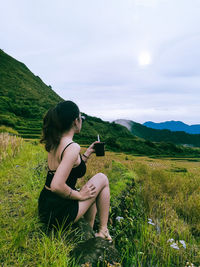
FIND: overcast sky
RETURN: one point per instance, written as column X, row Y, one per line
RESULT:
column 131, row 59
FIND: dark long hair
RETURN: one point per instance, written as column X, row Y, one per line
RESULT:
column 56, row 121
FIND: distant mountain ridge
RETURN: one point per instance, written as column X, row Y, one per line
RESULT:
column 158, row 135
column 174, row 126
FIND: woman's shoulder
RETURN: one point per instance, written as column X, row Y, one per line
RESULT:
column 75, row 145
column 70, row 148
column 70, row 145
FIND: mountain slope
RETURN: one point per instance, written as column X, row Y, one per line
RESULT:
column 24, row 99
column 179, row 138
column 174, row 126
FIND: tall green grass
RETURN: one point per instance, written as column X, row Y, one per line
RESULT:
column 171, row 202
column 9, row 146
column 141, row 189
column 22, row 239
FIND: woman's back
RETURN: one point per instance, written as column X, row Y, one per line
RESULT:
column 55, row 155
column 52, row 206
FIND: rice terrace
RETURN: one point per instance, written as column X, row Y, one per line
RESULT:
column 156, row 222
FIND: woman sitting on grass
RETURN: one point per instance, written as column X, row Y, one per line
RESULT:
column 59, row 202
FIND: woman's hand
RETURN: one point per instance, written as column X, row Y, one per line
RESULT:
column 91, row 149
column 87, row 191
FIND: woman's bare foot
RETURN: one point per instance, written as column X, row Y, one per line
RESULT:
column 103, row 233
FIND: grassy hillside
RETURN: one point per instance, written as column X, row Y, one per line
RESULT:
column 24, row 97
column 152, row 202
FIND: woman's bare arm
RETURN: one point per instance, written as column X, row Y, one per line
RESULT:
column 89, row 151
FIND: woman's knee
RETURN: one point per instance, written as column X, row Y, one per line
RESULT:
column 104, row 178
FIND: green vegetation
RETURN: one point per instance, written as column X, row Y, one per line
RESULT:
column 142, row 188
column 4, row 129
column 9, row 145
column 24, row 98
column 21, row 238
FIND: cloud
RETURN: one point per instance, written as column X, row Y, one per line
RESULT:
column 88, row 51
column 181, row 58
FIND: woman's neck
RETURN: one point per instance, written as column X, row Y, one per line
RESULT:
column 69, row 134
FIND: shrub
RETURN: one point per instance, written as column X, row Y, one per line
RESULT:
column 5, row 129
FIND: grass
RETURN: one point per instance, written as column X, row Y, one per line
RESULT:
column 22, row 241
column 172, row 201
column 10, row 146
column 142, row 188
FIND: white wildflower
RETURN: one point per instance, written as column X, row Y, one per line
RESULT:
column 183, row 243
column 174, row 245
column 118, row 218
column 150, row 222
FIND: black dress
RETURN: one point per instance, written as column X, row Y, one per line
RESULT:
column 54, row 209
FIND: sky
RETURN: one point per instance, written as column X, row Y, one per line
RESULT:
column 117, row 59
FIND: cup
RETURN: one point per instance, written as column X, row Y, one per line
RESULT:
column 99, row 149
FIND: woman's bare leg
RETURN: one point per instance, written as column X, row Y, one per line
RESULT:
column 103, row 205
column 91, row 214
column 102, row 199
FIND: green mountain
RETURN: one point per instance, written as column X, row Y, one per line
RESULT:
column 25, row 98
column 156, row 135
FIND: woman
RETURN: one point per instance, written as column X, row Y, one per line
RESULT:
column 59, row 201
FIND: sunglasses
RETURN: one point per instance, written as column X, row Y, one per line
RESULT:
column 83, row 118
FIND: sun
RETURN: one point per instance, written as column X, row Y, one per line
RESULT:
column 144, row 58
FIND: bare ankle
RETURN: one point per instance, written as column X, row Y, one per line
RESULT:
column 103, row 228
column 104, row 233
